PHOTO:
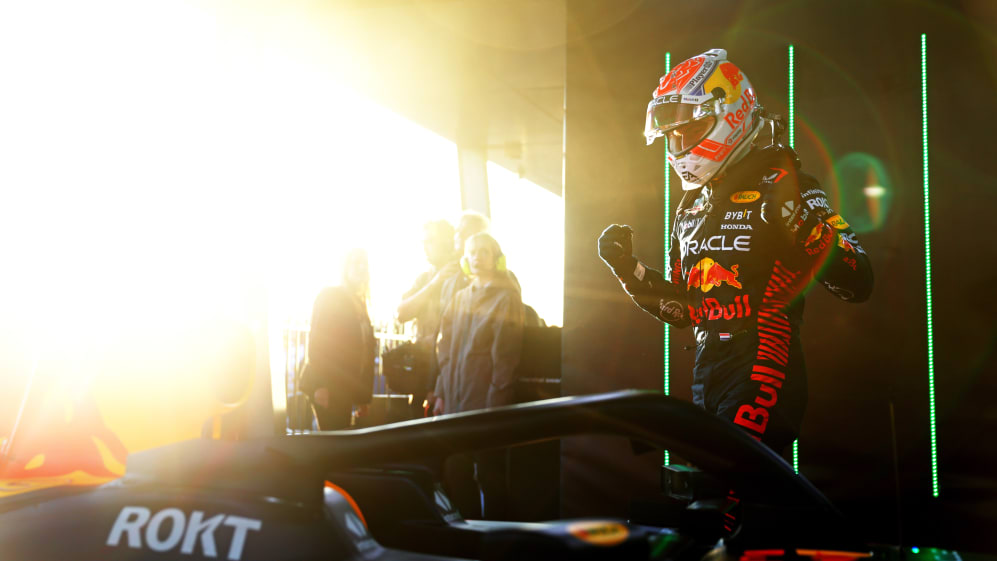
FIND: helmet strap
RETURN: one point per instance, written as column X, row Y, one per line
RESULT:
column 776, row 129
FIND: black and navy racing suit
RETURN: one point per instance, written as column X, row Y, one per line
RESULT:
column 743, row 251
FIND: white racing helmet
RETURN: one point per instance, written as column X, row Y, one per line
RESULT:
column 708, row 113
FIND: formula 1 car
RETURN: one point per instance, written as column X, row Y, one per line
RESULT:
column 361, row 495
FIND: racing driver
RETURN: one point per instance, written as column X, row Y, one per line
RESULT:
column 750, row 234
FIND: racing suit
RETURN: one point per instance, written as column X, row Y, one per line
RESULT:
column 742, row 253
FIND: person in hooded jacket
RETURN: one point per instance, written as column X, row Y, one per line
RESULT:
column 481, row 337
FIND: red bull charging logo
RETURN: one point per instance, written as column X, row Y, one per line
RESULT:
column 820, row 236
column 814, row 235
column 707, row 274
column 728, row 78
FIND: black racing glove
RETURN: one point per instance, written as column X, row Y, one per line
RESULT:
column 648, row 287
column 616, row 249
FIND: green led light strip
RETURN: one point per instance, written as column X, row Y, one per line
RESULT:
column 792, row 101
column 665, row 354
column 792, row 144
column 927, row 264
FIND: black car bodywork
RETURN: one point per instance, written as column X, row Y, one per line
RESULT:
column 359, row 495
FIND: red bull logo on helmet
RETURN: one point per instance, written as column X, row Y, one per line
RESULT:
column 736, row 118
column 727, row 77
column 708, row 274
column 732, row 73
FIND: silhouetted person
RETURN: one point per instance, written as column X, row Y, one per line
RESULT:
column 340, row 369
column 424, row 301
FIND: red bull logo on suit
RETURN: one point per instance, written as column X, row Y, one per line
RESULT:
column 708, row 274
column 713, row 310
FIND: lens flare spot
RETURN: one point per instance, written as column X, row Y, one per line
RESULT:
column 874, row 191
column 865, row 191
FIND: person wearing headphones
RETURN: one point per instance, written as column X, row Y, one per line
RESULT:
column 481, row 333
column 481, row 337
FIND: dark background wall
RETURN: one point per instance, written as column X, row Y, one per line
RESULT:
column 857, row 91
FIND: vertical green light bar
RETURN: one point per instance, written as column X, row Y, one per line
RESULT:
column 927, row 264
column 666, row 355
column 792, row 144
column 792, row 101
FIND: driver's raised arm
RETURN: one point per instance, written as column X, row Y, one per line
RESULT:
column 662, row 299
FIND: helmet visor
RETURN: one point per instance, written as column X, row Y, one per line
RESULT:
column 687, row 136
column 695, row 121
column 666, row 115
